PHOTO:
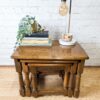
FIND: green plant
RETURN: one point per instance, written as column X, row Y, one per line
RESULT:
column 27, row 26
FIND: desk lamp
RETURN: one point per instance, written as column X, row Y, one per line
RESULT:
column 67, row 38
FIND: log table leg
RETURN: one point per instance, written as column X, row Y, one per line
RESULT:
column 27, row 81
column 19, row 71
column 78, row 78
column 71, row 79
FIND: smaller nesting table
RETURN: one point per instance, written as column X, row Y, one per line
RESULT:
column 31, row 62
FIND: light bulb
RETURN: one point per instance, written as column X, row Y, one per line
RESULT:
column 63, row 10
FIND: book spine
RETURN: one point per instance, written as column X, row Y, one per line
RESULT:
column 35, row 38
column 37, row 44
column 49, row 44
column 34, row 41
column 39, row 34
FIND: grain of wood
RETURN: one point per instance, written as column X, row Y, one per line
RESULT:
column 90, row 86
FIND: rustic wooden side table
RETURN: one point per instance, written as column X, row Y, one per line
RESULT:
column 66, row 60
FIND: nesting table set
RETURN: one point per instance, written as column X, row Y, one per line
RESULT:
column 31, row 62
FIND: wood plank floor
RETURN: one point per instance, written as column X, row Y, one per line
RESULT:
column 90, row 86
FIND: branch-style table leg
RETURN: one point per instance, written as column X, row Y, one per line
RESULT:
column 71, row 79
column 78, row 78
column 66, row 78
column 27, row 81
column 21, row 82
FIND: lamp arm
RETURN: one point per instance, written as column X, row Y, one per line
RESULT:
column 69, row 22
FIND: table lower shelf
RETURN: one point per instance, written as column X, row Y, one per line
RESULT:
column 50, row 85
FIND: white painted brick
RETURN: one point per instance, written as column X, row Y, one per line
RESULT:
column 6, row 61
column 93, row 62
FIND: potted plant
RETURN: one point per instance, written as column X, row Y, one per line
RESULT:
column 28, row 26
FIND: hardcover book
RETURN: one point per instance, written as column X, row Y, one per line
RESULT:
column 37, row 44
column 32, row 41
column 39, row 34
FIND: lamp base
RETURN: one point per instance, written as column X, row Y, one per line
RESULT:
column 63, row 42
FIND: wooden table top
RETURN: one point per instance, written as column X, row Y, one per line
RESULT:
column 54, row 52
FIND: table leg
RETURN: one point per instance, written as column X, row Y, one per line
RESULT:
column 71, row 79
column 66, row 78
column 34, row 83
column 27, row 81
column 78, row 78
column 21, row 82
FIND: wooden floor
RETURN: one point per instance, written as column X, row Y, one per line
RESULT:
column 90, row 86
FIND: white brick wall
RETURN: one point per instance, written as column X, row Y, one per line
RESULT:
column 84, row 25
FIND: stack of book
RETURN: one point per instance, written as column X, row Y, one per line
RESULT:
column 37, row 39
